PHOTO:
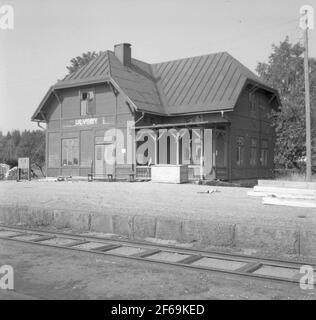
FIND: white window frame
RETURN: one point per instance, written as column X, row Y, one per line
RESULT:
column 90, row 97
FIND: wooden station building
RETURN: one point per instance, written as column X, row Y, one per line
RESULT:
column 223, row 107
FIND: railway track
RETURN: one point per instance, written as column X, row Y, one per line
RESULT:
column 214, row 261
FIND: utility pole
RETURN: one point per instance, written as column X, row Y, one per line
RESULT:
column 307, row 107
column 307, row 13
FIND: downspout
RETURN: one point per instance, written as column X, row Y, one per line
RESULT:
column 115, row 136
column 60, row 128
column 46, row 160
column 135, row 142
column 228, row 150
column 46, row 140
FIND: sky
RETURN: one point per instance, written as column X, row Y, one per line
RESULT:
column 48, row 34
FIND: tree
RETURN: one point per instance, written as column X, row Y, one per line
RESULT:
column 81, row 61
column 1, row 146
column 16, row 138
column 8, row 147
column 285, row 72
column 29, row 144
column 32, row 145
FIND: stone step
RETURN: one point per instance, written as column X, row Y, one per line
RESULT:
column 286, row 191
column 287, row 184
column 280, row 195
column 289, row 203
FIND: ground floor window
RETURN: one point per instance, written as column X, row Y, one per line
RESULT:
column 53, row 150
column 253, row 152
column 70, row 152
column 264, row 153
column 240, row 151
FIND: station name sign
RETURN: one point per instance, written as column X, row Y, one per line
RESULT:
column 87, row 122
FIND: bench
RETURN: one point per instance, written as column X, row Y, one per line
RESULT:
column 110, row 178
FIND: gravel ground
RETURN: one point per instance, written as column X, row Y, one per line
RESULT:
column 187, row 201
column 51, row 273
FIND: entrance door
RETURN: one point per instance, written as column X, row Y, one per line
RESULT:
column 101, row 153
column 220, row 150
column 99, row 167
column 221, row 155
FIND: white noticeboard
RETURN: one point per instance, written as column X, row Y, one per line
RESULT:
column 24, row 163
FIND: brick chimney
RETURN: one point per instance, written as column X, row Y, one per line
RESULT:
column 123, row 53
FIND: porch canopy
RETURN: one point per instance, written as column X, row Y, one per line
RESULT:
column 213, row 123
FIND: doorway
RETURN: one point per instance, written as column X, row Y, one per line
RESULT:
column 101, row 166
column 221, row 154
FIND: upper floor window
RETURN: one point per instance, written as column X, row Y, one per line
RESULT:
column 252, row 103
column 86, row 102
column 240, row 151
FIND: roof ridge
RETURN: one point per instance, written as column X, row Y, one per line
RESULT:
column 246, row 69
column 109, row 62
column 191, row 57
column 159, row 89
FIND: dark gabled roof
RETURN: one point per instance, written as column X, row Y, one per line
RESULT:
column 97, row 68
column 138, row 84
column 207, row 83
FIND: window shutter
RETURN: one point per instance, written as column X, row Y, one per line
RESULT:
column 91, row 103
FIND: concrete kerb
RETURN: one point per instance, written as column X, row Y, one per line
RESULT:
column 307, row 242
column 10, row 214
column 35, row 216
column 208, row 232
column 213, row 233
column 101, row 222
column 285, row 240
column 144, row 227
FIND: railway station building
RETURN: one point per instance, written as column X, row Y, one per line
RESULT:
column 208, row 113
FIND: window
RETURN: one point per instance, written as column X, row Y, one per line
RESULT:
column 99, row 153
column 252, row 103
column 86, row 148
column 253, row 152
column 70, row 152
column 240, row 151
column 53, row 150
column 264, row 153
column 86, row 102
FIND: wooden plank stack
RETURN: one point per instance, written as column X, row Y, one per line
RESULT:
column 286, row 193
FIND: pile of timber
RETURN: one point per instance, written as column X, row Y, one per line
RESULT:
column 286, row 193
